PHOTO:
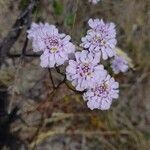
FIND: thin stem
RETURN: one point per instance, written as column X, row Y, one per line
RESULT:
column 27, row 55
column 75, row 15
column 79, row 92
column 58, row 71
column 51, row 77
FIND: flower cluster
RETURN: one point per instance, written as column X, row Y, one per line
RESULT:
column 56, row 47
column 101, row 38
column 87, row 74
column 119, row 64
column 100, row 96
column 94, row 1
column 84, row 71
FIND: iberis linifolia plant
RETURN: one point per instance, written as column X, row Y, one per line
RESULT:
column 85, row 70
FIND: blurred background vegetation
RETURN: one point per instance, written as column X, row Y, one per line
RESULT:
column 61, row 121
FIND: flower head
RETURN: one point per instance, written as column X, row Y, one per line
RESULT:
column 84, row 72
column 119, row 64
column 101, row 38
column 101, row 96
column 94, row 1
column 55, row 47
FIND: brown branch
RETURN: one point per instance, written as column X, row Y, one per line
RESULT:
column 27, row 55
column 15, row 31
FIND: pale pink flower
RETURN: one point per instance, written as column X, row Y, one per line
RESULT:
column 101, row 38
column 101, row 26
column 101, row 96
column 84, row 72
column 55, row 47
column 119, row 64
column 94, row 1
column 38, row 34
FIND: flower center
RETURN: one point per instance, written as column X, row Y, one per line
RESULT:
column 53, row 49
column 102, row 90
column 52, row 44
column 99, row 40
column 84, row 69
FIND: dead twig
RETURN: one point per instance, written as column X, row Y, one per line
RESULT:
column 15, row 31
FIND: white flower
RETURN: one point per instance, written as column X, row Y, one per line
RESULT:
column 84, row 72
column 119, row 64
column 101, row 96
column 94, row 1
column 101, row 38
column 55, row 47
column 100, row 26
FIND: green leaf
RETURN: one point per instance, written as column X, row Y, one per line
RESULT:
column 69, row 20
column 58, row 7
